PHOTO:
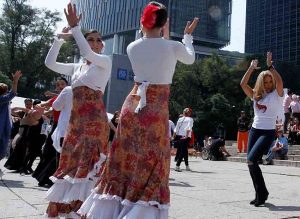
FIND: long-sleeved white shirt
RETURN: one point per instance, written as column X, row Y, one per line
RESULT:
column 154, row 59
column 63, row 103
column 183, row 125
column 94, row 75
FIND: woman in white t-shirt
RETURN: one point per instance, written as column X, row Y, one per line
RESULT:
column 267, row 97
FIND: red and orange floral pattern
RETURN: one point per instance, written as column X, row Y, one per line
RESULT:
column 86, row 137
column 138, row 164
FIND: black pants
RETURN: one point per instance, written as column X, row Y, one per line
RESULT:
column 287, row 117
column 182, row 151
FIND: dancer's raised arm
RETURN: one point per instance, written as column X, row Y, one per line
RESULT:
column 276, row 75
column 244, row 82
column 50, row 61
column 89, row 47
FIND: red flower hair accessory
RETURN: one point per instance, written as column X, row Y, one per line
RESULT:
column 149, row 16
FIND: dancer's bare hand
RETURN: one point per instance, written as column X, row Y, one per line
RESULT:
column 190, row 27
column 71, row 15
column 269, row 59
column 254, row 64
column 16, row 76
column 65, row 34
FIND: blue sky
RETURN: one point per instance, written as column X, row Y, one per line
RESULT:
column 237, row 19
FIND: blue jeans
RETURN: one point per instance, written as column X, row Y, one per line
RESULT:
column 258, row 143
column 272, row 154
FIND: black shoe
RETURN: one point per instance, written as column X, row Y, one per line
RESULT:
column 259, row 203
column 253, row 202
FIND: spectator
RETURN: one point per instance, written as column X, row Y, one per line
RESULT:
column 218, row 150
column 183, row 132
column 295, row 106
column 279, row 148
column 287, row 111
column 243, row 128
column 294, row 134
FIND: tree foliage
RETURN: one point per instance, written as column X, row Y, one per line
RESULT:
column 26, row 34
column 212, row 89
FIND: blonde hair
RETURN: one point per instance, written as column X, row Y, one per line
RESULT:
column 259, row 88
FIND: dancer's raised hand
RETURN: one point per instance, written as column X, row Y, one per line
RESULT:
column 269, row 59
column 65, row 34
column 71, row 15
column 190, row 27
column 16, row 75
column 254, row 64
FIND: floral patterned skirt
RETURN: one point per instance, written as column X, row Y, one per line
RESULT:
column 138, row 164
column 86, row 138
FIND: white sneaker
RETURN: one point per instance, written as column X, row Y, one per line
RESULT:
column 188, row 168
column 177, row 169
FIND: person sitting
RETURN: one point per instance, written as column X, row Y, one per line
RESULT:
column 278, row 150
column 295, row 132
column 218, row 150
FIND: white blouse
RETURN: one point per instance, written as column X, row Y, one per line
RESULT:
column 63, row 103
column 94, row 76
column 154, row 59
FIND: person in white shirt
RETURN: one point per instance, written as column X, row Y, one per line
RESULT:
column 63, row 103
column 87, row 134
column 286, row 107
column 267, row 97
column 295, row 106
column 183, row 131
column 171, row 128
column 135, row 181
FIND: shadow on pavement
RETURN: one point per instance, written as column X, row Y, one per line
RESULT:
column 11, row 183
column 282, row 208
column 180, row 184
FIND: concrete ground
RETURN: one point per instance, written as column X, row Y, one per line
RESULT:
column 213, row 189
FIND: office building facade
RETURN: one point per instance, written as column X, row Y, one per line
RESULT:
column 119, row 24
column 273, row 25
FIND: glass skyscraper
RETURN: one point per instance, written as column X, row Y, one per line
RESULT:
column 119, row 20
column 119, row 24
column 273, row 25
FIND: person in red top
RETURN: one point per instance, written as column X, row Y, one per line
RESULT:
column 50, row 157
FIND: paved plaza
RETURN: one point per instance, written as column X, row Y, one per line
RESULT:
column 214, row 189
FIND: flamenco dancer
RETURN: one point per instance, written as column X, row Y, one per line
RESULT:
column 135, row 180
column 87, row 135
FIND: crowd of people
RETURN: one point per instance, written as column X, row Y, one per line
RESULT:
column 120, row 168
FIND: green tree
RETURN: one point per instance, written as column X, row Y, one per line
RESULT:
column 4, row 79
column 26, row 34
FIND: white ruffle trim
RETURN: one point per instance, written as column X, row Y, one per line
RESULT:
column 91, row 201
column 68, row 190
column 72, row 215
column 71, row 189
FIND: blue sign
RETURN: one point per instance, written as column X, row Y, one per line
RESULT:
column 122, row 74
column 131, row 76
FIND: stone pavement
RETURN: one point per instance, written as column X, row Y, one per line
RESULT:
column 214, row 189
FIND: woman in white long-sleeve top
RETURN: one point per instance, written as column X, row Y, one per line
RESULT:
column 88, row 130
column 135, row 179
